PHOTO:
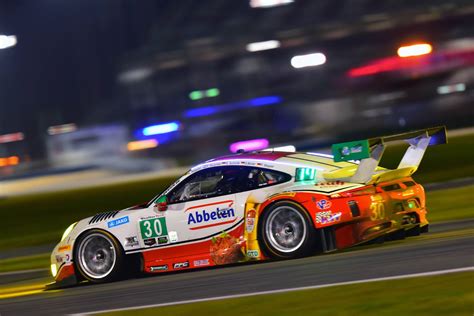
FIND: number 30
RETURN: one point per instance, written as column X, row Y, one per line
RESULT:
column 378, row 211
column 157, row 230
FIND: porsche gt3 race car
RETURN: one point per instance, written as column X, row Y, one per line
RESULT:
column 255, row 206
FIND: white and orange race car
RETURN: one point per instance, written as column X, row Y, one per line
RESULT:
column 255, row 206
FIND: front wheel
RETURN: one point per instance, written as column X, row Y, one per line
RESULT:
column 286, row 231
column 98, row 256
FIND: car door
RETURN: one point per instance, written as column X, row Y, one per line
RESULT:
column 203, row 206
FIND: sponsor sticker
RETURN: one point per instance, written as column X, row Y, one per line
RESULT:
column 162, row 240
column 250, row 220
column 181, row 265
column 198, row 217
column 131, row 241
column 159, row 268
column 201, row 263
column 149, row 241
column 154, row 227
column 59, row 259
column 118, row 222
column 253, row 253
column 64, row 248
column 328, row 217
column 173, row 236
column 323, row 204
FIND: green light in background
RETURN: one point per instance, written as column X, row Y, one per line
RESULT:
column 196, row 95
column 211, row 93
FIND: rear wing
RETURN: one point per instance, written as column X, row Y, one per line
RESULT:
column 370, row 151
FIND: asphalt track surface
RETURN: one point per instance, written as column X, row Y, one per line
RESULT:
column 414, row 255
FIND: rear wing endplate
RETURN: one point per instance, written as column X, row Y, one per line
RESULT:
column 370, row 151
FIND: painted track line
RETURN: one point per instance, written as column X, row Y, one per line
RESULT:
column 311, row 287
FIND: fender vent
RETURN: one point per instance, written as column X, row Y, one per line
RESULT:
column 103, row 216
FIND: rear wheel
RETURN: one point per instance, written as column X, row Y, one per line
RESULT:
column 286, row 231
column 98, row 256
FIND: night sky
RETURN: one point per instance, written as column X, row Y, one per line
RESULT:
column 66, row 58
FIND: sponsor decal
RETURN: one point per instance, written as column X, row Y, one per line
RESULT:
column 173, row 236
column 328, row 217
column 206, row 216
column 181, row 265
column 162, row 240
column 201, row 263
column 131, row 241
column 159, row 268
column 323, row 204
column 59, row 259
column 149, row 241
column 331, row 184
column 154, row 227
column 64, row 248
column 253, row 253
column 118, row 222
column 226, row 249
column 250, row 221
column 201, row 216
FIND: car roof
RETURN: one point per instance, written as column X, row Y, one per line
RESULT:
column 324, row 161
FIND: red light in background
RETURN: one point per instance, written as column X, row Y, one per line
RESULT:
column 14, row 137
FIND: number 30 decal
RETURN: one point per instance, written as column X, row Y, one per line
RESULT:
column 154, row 227
column 378, row 211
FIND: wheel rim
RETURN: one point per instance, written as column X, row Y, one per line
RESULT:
column 97, row 255
column 286, row 229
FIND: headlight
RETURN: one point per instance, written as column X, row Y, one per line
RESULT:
column 54, row 270
column 68, row 230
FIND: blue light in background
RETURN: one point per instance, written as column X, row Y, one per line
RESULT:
column 161, row 128
column 209, row 110
column 214, row 109
column 265, row 101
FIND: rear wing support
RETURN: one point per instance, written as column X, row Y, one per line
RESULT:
column 370, row 151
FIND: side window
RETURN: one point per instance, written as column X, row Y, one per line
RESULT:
column 264, row 177
column 219, row 181
column 200, row 185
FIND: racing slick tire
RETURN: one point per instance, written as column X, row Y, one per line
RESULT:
column 98, row 256
column 286, row 231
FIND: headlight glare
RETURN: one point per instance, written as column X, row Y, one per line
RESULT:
column 68, row 231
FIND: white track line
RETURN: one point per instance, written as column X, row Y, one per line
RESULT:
column 312, row 287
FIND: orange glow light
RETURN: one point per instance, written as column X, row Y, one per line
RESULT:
column 142, row 144
column 9, row 161
column 414, row 50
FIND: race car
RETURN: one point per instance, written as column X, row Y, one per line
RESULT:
column 255, row 206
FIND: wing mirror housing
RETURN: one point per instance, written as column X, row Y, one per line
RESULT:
column 161, row 204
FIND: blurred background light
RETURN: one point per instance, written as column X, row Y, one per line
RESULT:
column 13, row 137
column 7, row 41
column 201, row 94
column 196, row 95
column 212, row 93
column 249, row 145
column 414, row 50
column 62, row 129
column 266, row 45
column 9, row 161
column 142, row 144
column 458, row 87
column 215, row 109
column 161, row 128
column 308, row 60
column 268, row 3
column 135, row 75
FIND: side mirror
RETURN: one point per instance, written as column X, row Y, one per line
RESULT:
column 161, row 205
